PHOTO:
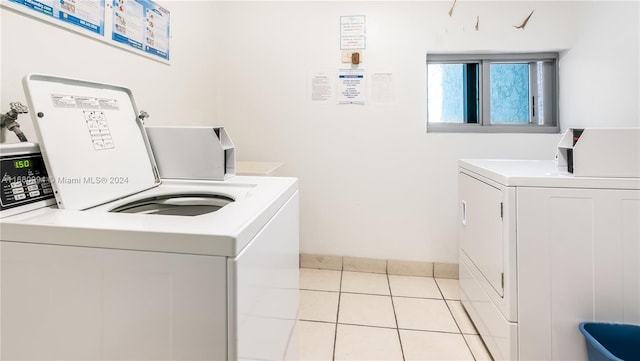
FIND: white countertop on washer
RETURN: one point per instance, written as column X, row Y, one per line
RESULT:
column 539, row 173
column 222, row 233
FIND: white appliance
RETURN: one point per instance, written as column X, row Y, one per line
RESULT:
column 541, row 251
column 194, row 152
column 131, row 267
column 600, row 152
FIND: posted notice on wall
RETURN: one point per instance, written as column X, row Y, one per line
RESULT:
column 140, row 26
column 88, row 15
column 351, row 86
column 383, row 88
column 353, row 34
column 322, row 86
column 143, row 25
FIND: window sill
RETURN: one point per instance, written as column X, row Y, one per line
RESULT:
column 502, row 128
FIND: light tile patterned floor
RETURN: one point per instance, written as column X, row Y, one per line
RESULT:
column 370, row 316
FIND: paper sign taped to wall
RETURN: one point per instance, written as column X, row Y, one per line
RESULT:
column 351, row 86
column 353, row 33
column 322, row 86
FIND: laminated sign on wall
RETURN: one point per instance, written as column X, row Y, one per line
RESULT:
column 141, row 26
column 351, row 88
column 88, row 15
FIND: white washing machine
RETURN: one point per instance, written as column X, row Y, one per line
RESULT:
column 128, row 267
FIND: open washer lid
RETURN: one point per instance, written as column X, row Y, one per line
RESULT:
column 93, row 144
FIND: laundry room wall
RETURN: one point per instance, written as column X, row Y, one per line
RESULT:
column 601, row 71
column 373, row 182
column 181, row 92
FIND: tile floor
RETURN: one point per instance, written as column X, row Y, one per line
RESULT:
column 368, row 316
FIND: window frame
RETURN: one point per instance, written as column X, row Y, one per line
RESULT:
column 484, row 62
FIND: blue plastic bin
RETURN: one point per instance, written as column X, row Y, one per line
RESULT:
column 611, row 341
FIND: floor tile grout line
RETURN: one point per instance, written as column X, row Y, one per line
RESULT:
column 335, row 336
column 474, row 327
column 469, row 347
column 472, row 324
column 434, row 331
column 458, row 325
column 449, row 309
column 365, row 294
column 483, row 347
column 380, row 294
column 395, row 316
column 439, row 288
column 465, row 315
column 394, row 328
column 313, row 289
column 318, row 321
column 369, row 326
column 419, row 298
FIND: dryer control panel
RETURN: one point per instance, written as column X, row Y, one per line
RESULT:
column 25, row 184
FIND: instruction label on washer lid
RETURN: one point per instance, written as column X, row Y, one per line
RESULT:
column 63, row 101
column 83, row 102
column 95, row 119
column 98, row 130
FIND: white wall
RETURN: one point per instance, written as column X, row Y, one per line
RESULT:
column 373, row 182
column 601, row 71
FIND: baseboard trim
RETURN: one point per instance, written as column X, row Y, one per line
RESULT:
column 374, row 265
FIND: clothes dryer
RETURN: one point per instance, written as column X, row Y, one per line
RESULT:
column 542, row 251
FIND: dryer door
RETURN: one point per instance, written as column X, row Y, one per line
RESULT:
column 480, row 228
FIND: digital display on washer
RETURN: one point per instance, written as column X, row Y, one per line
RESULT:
column 24, row 181
column 22, row 163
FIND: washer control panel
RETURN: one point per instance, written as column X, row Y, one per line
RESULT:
column 25, row 183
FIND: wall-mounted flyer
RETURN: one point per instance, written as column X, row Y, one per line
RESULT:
column 88, row 15
column 353, row 34
column 351, row 87
column 322, row 86
column 143, row 25
column 140, row 26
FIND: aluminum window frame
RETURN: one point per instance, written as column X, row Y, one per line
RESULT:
column 484, row 125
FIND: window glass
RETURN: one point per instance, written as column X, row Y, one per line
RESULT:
column 453, row 93
column 509, row 93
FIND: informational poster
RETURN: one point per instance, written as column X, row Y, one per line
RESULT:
column 353, row 34
column 82, row 13
column 383, row 88
column 143, row 25
column 322, row 86
column 351, row 86
column 85, row 14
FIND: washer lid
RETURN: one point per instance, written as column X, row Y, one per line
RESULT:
column 94, row 146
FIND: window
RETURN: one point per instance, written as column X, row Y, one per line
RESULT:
column 492, row 93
